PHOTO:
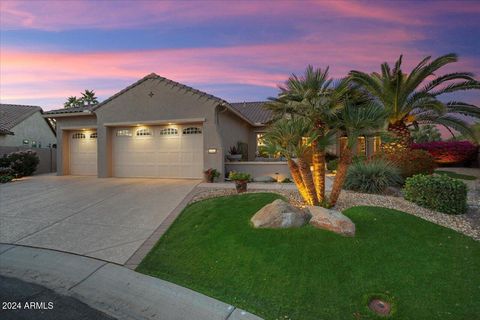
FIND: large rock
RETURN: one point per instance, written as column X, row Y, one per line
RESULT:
column 332, row 220
column 279, row 214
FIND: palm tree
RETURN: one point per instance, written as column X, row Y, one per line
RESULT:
column 356, row 119
column 316, row 97
column 89, row 98
column 72, row 102
column 412, row 99
column 291, row 138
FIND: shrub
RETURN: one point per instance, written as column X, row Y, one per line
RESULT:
column 332, row 165
column 239, row 176
column 448, row 152
column 372, row 176
column 23, row 163
column 211, row 174
column 6, row 174
column 287, row 180
column 411, row 162
column 440, row 193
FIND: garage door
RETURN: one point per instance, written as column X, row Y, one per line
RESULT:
column 83, row 153
column 159, row 152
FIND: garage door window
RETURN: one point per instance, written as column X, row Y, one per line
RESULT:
column 144, row 132
column 124, row 133
column 192, row 130
column 168, row 132
column 78, row 135
column 93, row 135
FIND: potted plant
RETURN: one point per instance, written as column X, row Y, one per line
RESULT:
column 211, row 175
column 235, row 154
column 241, row 179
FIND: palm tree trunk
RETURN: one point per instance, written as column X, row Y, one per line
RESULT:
column 403, row 138
column 306, row 175
column 343, row 165
column 318, row 163
column 297, row 178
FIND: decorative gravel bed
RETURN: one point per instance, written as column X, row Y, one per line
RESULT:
column 468, row 224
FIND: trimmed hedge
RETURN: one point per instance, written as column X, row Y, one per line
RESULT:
column 440, row 193
column 412, row 162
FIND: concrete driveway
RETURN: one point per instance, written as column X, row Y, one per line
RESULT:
column 103, row 218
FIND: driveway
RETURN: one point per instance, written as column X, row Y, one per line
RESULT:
column 103, row 218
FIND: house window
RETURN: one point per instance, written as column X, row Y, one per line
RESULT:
column 77, row 135
column 168, row 132
column 361, row 146
column 124, row 133
column 93, row 135
column 34, row 144
column 144, row 132
column 377, row 142
column 192, row 130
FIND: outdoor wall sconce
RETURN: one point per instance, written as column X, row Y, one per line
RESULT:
column 212, row 150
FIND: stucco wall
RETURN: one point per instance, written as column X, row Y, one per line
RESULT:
column 33, row 128
column 47, row 157
column 65, row 125
column 167, row 103
column 276, row 170
column 234, row 130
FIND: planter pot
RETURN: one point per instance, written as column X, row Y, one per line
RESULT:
column 235, row 157
column 241, row 185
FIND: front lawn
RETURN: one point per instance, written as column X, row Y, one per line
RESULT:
column 430, row 272
column 455, row 175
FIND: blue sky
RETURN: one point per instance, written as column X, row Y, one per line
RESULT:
column 239, row 51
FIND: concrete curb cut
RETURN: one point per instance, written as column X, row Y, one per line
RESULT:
column 112, row 289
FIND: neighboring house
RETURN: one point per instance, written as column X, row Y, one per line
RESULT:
column 24, row 126
column 157, row 127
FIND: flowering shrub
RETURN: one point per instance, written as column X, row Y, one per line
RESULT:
column 448, row 152
column 23, row 163
column 211, row 174
column 411, row 162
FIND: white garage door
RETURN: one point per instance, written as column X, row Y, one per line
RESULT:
column 159, row 152
column 83, row 153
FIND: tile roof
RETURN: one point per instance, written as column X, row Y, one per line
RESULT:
column 254, row 111
column 70, row 110
column 13, row 114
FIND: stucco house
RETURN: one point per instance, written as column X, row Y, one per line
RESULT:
column 24, row 126
column 160, row 128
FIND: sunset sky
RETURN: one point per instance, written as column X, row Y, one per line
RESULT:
column 239, row 51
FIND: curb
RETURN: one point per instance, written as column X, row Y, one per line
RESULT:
column 112, row 289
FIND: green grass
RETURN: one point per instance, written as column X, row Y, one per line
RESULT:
column 430, row 272
column 455, row 175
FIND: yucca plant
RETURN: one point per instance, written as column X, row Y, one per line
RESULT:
column 413, row 98
column 373, row 176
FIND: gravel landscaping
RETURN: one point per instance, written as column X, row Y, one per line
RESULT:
column 468, row 224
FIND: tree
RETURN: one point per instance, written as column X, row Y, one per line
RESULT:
column 72, row 102
column 89, row 98
column 412, row 99
column 318, row 98
column 425, row 133
column 357, row 118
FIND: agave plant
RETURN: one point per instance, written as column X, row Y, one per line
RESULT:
column 413, row 98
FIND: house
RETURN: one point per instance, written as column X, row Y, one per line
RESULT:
column 157, row 127
column 25, row 126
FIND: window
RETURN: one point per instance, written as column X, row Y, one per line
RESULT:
column 168, row 132
column 144, row 132
column 124, row 133
column 377, row 143
column 93, row 135
column 192, row 130
column 34, row 144
column 77, row 135
column 361, row 146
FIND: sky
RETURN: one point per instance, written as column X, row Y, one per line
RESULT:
column 236, row 50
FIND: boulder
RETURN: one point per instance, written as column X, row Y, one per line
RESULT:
column 264, row 179
column 332, row 220
column 279, row 214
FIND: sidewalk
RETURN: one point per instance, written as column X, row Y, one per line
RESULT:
column 111, row 288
